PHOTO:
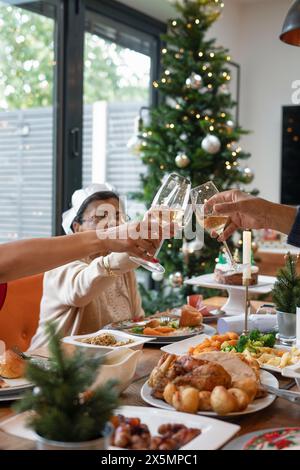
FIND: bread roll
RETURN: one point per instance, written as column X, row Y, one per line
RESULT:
column 12, row 365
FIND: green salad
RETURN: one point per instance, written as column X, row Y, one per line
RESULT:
column 251, row 342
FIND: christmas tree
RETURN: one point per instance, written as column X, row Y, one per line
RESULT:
column 286, row 291
column 66, row 408
column 193, row 131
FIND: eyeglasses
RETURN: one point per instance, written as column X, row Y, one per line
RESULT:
column 97, row 219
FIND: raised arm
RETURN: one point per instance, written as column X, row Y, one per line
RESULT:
column 27, row 257
column 249, row 212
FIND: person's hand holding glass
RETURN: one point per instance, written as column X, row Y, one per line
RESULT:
column 167, row 209
column 208, row 220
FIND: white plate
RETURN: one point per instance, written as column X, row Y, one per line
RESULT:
column 207, row 331
column 15, row 386
column 215, row 433
column 264, row 285
column 164, row 339
column 182, row 347
column 106, row 350
column 257, row 405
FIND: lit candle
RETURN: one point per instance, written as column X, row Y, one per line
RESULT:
column 247, row 254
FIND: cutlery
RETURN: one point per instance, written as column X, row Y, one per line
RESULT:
column 294, row 397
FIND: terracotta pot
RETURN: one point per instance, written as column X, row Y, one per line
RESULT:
column 101, row 443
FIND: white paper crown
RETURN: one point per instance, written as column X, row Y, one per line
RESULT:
column 79, row 196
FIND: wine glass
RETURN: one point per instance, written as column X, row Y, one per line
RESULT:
column 210, row 222
column 168, row 207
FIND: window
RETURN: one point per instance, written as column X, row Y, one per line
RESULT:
column 70, row 75
column 117, row 83
column 27, row 55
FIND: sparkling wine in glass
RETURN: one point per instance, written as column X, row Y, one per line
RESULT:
column 168, row 207
column 210, row 222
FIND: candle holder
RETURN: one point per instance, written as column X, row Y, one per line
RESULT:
column 246, row 283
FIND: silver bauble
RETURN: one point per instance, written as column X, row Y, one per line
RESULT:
column 176, row 279
column 194, row 81
column 211, row 144
column 183, row 136
column 157, row 277
column 182, row 160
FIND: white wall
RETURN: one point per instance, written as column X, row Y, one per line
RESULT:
column 250, row 29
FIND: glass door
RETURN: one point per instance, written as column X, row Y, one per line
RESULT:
column 28, row 62
column 117, row 84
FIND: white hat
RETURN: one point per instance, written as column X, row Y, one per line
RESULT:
column 79, row 196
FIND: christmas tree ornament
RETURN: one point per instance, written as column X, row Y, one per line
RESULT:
column 135, row 145
column 157, row 277
column 233, row 146
column 229, row 125
column 224, row 90
column 204, row 90
column 183, row 136
column 176, row 279
column 247, row 175
column 182, row 160
column 211, row 144
column 194, row 81
column 194, row 246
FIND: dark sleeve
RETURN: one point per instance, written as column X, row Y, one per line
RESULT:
column 294, row 235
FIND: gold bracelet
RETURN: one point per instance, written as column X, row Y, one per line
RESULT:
column 107, row 267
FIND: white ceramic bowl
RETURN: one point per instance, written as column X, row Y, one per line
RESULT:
column 74, row 342
column 120, row 367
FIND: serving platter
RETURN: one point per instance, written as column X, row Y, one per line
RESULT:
column 214, row 433
column 259, row 404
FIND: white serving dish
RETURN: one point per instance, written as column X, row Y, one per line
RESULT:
column 259, row 404
column 120, row 367
column 215, row 433
column 235, row 304
column 92, row 349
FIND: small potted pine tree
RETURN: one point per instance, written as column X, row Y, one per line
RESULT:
column 286, row 296
column 66, row 413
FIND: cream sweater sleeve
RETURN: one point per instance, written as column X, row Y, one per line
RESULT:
column 79, row 282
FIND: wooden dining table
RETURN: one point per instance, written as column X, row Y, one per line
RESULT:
column 280, row 413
